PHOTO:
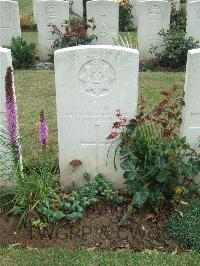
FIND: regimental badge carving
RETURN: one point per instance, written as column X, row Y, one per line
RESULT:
column 154, row 12
column 97, row 77
column 52, row 13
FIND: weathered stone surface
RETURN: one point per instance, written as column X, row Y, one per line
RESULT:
column 191, row 113
column 53, row 12
column 9, row 21
column 153, row 16
column 193, row 20
column 106, row 17
column 34, row 2
column 91, row 83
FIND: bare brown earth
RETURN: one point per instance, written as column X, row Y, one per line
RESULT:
column 98, row 229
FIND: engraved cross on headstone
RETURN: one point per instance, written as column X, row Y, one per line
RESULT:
column 98, row 126
column 97, row 143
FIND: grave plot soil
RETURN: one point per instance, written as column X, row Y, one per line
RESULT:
column 98, row 229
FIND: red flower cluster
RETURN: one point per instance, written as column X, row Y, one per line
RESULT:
column 75, row 163
column 117, row 125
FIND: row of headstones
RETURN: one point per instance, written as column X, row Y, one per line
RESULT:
column 152, row 17
column 91, row 83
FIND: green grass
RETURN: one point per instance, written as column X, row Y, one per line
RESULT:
column 25, row 6
column 54, row 257
column 31, row 37
column 36, row 90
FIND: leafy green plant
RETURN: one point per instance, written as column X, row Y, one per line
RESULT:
column 88, row 195
column 175, row 48
column 178, row 19
column 154, row 159
column 72, row 33
column 184, row 224
column 23, row 53
column 39, row 202
column 175, row 43
column 125, row 16
column 106, row 190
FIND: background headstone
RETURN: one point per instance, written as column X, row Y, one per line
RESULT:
column 49, row 12
column 191, row 113
column 91, row 83
column 9, row 21
column 106, row 17
column 193, row 20
column 153, row 16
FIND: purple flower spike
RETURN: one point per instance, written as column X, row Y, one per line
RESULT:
column 11, row 111
column 43, row 130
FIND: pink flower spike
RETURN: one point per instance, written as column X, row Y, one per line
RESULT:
column 43, row 130
column 11, row 111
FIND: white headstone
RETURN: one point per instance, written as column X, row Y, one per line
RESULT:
column 188, row 1
column 77, row 7
column 191, row 113
column 53, row 12
column 193, row 20
column 91, row 83
column 106, row 18
column 9, row 21
column 153, row 16
column 5, row 62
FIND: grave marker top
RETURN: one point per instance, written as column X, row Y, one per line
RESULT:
column 49, row 12
column 153, row 16
column 106, row 19
column 9, row 21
